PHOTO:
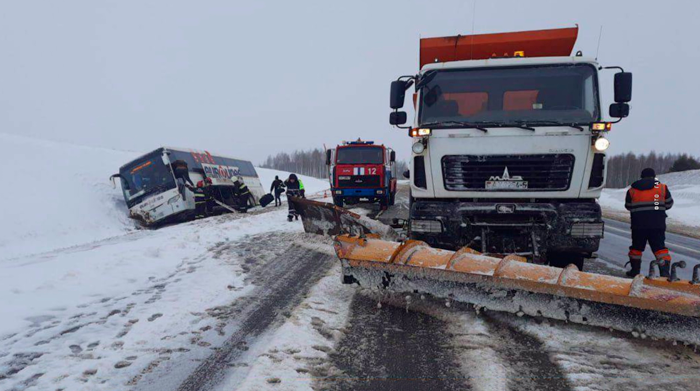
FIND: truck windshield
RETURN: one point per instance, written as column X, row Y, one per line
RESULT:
column 145, row 176
column 560, row 94
column 360, row 155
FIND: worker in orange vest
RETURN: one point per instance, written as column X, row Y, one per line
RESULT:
column 648, row 200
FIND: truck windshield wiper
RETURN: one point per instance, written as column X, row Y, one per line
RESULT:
column 474, row 125
column 521, row 125
column 556, row 123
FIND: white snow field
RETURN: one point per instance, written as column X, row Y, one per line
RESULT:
column 58, row 195
column 685, row 189
column 88, row 300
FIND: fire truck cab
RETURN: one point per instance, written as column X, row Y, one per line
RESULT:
column 361, row 171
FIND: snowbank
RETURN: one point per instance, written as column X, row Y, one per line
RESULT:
column 685, row 188
column 58, row 195
column 311, row 185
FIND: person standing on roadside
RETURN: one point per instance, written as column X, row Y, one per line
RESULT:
column 648, row 200
column 302, row 192
column 277, row 189
column 242, row 194
column 293, row 190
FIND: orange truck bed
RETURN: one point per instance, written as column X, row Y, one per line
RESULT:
column 535, row 43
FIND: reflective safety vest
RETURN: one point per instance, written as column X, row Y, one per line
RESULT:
column 301, row 184
column 657, row 198
column 648, row 200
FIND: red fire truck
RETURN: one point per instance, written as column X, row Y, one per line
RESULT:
column 361, row 171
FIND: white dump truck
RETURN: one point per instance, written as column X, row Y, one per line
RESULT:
column 509, row 144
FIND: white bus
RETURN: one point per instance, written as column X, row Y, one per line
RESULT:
column 155, row 194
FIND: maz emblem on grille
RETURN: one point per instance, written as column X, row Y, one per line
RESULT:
column 506, row 177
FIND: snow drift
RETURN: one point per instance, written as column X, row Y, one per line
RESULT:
column 59, row 195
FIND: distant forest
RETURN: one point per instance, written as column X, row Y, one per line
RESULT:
column 623, row 169
column 310, row 163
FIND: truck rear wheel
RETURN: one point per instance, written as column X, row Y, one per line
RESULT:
column 338, row 201
column 564, row 259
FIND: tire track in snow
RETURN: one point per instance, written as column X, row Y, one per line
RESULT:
column 286, row 281
column 596, row 359
column 392, row 348
column 529, row 364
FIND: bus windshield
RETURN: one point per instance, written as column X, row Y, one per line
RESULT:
column 144, row 177
column 360, row 155
column 548, row 95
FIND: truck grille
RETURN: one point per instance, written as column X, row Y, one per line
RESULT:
column 359, row 181
column 549, row 172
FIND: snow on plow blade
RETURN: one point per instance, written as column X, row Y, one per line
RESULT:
column 322, row 218
column 649, row 307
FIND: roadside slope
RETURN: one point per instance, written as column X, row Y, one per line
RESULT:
column 58, row 195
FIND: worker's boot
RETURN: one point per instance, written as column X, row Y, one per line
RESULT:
column 665, row 268
column 636, row 268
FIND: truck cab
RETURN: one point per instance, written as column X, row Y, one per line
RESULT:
column 361, row 171
column 508, row 150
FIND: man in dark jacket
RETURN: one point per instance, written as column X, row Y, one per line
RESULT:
column 201, row 198
column 242, row 194
column 648, row 200
column 277, row 189
column 293, row 190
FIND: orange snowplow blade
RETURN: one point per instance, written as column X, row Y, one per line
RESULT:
column 466, row 275
column 536, row 43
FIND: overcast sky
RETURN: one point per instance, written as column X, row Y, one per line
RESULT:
column 253, row 78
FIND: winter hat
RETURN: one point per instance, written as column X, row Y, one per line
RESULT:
column 648, row 173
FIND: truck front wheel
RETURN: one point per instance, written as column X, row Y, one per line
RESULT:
column 564, row 259
column 338, row 201
column 392, row 198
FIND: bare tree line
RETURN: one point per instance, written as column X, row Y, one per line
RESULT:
column 624, row 169
column 311, row 163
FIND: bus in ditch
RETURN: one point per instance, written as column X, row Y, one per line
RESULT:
column 157, row 193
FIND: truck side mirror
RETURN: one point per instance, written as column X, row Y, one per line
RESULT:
column 619, row 110
column 397, row 118
column 407, row 174
column 392, row 156
column 623, row 87
column 398, row 94
column 328, row 157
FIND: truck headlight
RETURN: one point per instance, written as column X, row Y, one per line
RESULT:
column 418, row 148
column 601, row 144
column 338, row 192
column 415, row 132
column 380, row 191
column 432, row 226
